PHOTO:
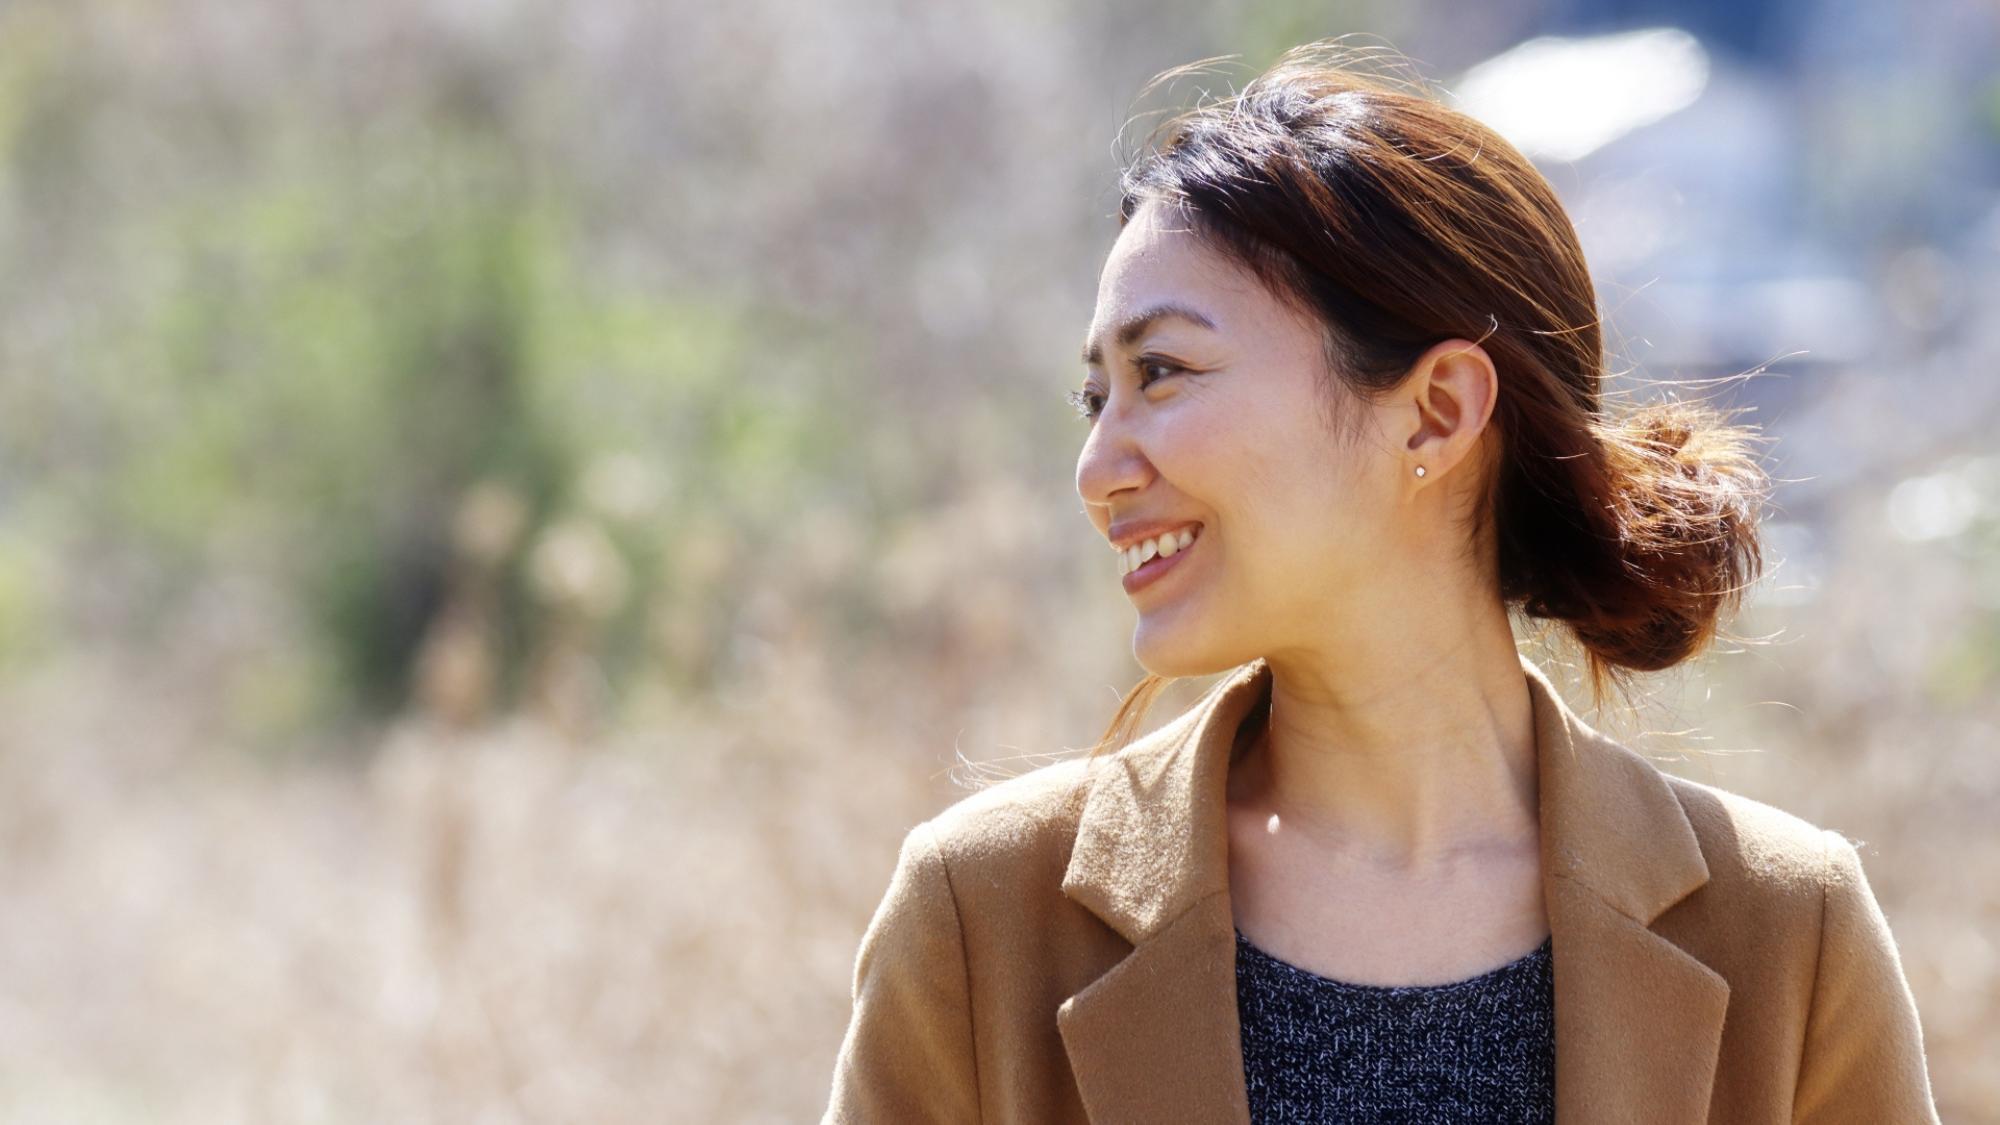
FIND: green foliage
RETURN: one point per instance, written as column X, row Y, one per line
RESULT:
column 342, row 336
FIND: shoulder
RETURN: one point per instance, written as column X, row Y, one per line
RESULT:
column 1767, row 866
column 992, row 855
column 988, row 838
column 1787, row 912
column 1745, row 842
column 990, row 866
column 1012, row 820
column 1754, row 840
column 1015, row 837
column 1039, row 809
column 1774, row 876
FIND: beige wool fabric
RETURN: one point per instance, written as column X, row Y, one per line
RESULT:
column 1060, row 948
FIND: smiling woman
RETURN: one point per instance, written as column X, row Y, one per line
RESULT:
column 1345, row 420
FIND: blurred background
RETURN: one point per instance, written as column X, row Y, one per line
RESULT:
column 510, row 510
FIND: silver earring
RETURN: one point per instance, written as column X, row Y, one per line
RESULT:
column 1420, row 470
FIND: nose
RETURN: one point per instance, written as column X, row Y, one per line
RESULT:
column 1111, row 462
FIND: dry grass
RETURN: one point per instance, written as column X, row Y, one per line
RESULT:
column 498, row 927
column 505, row 926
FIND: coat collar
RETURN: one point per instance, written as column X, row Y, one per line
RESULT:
column 1638, row 1019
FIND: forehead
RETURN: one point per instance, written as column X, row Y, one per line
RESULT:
column 1158, row 260
column 1157, row 248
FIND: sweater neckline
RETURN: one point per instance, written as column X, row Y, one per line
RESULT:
column 1491, row 978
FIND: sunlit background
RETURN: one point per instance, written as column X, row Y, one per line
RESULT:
column 509, row 511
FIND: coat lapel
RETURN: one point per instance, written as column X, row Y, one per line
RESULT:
column 1638, row 1019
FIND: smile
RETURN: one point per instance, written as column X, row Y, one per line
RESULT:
column 1143, row 563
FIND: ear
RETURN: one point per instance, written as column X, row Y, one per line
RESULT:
column 1450, row 393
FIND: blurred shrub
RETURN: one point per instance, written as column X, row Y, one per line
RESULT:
column 331, row 342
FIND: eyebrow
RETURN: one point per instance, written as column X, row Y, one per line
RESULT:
column 1133, row 326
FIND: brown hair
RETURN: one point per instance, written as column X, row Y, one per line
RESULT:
column 1400, row 222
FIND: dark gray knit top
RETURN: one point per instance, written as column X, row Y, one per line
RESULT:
column 1475, row 1050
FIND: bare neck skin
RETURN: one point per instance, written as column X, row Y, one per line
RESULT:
column 1406, row 753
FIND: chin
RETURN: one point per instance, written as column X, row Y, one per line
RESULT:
column 1177, row 653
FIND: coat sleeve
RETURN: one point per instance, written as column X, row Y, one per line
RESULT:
column 1864, row 1049
column 907, row 1055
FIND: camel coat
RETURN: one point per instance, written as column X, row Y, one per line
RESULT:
column 1059, row 947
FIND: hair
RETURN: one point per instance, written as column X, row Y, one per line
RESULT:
column 1398, row 222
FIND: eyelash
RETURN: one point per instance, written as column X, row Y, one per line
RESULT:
column 1081, row 399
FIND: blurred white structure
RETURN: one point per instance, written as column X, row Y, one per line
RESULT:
column 1563, row 99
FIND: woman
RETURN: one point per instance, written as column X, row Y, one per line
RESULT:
column 1344, row 405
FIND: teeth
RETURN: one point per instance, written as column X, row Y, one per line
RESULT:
column 1165, row 546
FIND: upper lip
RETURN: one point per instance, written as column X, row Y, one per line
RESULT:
column 1125, row 535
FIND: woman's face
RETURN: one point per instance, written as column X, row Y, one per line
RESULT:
column 1303, row 537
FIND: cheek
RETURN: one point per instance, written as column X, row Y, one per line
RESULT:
column 1284, row 492
column 1199, row 453
column 1303, row 503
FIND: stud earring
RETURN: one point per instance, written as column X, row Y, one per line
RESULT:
column 1420, row 470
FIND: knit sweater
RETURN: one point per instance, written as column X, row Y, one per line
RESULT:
column 1476, row 1050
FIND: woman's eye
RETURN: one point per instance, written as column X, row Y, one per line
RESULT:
column 1089, row 403
column 1086, row 404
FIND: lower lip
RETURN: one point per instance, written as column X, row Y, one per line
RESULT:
column 1154, row 567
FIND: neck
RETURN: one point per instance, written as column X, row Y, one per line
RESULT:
column 1404, row 762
